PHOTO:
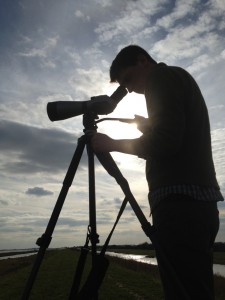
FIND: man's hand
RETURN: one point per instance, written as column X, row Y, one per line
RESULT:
column 142, row 123
column 102, row 143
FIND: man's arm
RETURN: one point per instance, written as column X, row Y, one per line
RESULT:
column 103, row 143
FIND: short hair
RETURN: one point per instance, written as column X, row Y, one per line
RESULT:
column 128, row 56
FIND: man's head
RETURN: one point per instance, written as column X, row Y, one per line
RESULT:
column 130, row 68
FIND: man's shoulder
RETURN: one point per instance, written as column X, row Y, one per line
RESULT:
column 164, row 73
column 171, row 72
column 163, row 67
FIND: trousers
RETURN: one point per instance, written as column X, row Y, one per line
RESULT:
column 185, row 230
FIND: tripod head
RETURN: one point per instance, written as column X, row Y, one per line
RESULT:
column 90, row 120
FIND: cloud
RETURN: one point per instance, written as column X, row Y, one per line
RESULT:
column 104, row 3
column 34, row 149
column 38, row 191
column 181, row 10
column 218, row 146
column 43, row 51
column 123, row 24
column 86, row 80
column 72, row 222
column 81, row 16
column 4, row 202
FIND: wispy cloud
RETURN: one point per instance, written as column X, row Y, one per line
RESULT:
column 43, row 51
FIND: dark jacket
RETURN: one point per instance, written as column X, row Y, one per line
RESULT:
column 177, row 144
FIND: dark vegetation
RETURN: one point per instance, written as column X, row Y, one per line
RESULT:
column 124, row 279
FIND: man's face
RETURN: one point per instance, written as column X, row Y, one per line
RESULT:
column 133, row 78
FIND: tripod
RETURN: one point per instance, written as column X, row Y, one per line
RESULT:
column 108, row 163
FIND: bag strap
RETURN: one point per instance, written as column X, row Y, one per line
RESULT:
column 104, row 248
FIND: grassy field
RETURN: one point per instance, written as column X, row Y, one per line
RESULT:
column 123, row 280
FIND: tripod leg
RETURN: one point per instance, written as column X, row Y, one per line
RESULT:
column 45, row 239
column 94, row 237
column 92, row 203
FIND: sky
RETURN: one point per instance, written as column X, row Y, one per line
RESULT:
column 61, row 51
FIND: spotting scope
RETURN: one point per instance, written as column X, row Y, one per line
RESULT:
column 100, row 105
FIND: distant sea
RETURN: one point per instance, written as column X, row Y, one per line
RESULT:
column 14, row 253
column 217, row 269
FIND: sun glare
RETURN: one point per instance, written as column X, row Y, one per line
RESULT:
column 132, row 104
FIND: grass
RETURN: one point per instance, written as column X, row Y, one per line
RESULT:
column 123, row 280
